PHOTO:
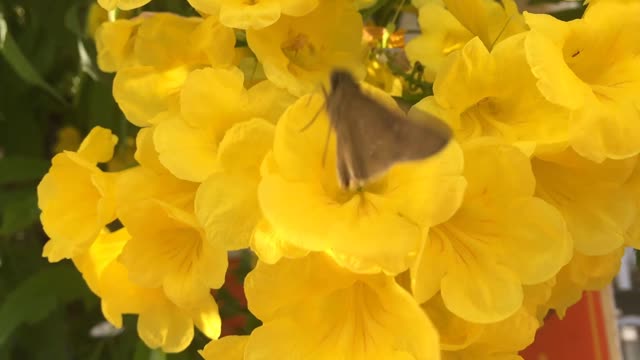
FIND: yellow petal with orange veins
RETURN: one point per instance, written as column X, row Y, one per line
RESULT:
column 353, row 317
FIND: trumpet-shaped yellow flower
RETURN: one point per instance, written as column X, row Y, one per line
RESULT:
column 122, row 4
column 153, row 56
column 583, row 273
column 480, row 258
column 76, row 197
column 494, row 94
column 597, row 207
column 161, row 324
column 447, row 25
column 253, row 14
column 168, row 249
column 327, row 312
column 464, row 340
column 217, row 139
column 299, row 52
column 369, row 230
column 601, row 91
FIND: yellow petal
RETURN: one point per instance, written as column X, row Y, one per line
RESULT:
column 268, row 101
column 215, row 41
column 98, row 146
column 165, row 328
column 213, row 97
column 481, row 292
column 227, row 207
column 146, row 154
column 114, row 44
column 174, row 48
column 455, row 333
column 207, row 319
column 328, row 319
column 430, row 266
column 188, row 152
column 228, row 347
column 144, row 92
column 244, row 146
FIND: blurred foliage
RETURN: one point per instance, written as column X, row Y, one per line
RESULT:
column 49, row 81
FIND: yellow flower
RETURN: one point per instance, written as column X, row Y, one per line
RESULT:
column 583, row 273
column 153, row 56
column 501, row 238
column 601, row 91
column 122, row 4
column 447, row 25
column 494, row 94
column 76, row 197
column 462, row 339
column 378, row 228
column 161, row 324
column 188, row 142
column 597, row 207
column 327, row 312
column 219, row 138
column 255, row 14
column 168, row 249
column 299, row 52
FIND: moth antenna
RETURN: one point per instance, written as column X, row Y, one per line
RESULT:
column 326, row 146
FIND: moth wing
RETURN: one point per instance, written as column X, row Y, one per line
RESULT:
column 374, row 137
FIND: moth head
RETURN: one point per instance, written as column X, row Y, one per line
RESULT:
column 341, row 77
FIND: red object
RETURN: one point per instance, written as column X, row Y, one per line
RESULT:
column 587, row 332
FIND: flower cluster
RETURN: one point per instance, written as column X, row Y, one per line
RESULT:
column 457, row 256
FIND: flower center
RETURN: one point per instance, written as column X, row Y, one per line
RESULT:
column 300, row 51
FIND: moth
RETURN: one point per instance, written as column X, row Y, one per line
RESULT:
column 371, row 137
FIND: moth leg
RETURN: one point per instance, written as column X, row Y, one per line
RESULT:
column 313, row 119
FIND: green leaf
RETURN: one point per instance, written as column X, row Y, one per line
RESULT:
column 19, row 62
column 15, row 169
column 18, row 210
column 37, row 296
